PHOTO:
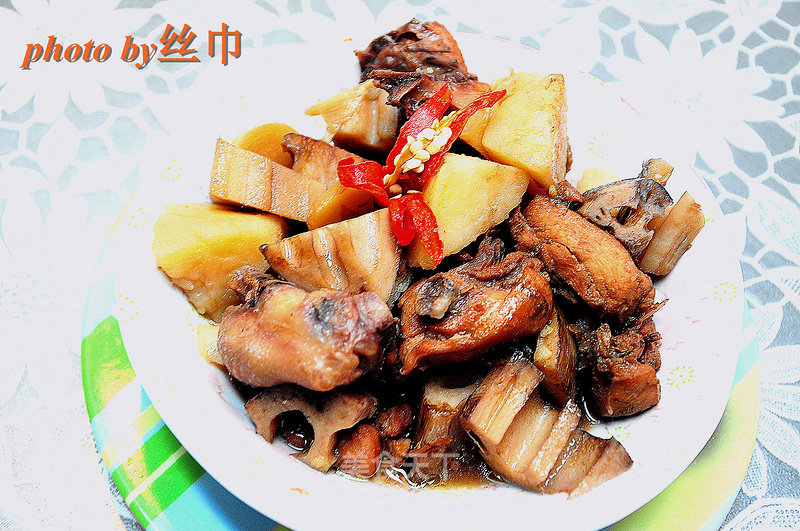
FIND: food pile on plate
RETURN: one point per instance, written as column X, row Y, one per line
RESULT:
column 422, row 295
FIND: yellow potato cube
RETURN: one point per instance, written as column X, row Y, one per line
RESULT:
column 200, row 246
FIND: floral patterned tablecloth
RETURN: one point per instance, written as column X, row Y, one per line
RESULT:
column 725, row 77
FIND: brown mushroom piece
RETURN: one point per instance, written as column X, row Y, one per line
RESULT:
column 327, row 414
column 283, row 334
column 414, row 61
column 625, row 208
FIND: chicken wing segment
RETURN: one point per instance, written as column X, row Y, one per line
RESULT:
column 457, row 315
column 319, row 340
column 591, row 261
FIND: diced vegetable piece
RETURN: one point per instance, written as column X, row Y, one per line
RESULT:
column 438, row 415
column 315, row 158
column 555, row 356
column 359, row 118
column 533, row 444
column 248, row 179
column 439, row 432
column 525, row 437
column 613, row 460
column 527, row 129
column 545, row 450
column 551, row 448
column 318, row 160
column 360, row 254
column 500, row 396
column 673, row 237
column 575, row 472
column 468, row 196
column 207, row 343
column 266, row 140
column 657, row 169
column 328, row 414
column 200, row 246
column 577, row 457
column 594, row 177
column 339, row 203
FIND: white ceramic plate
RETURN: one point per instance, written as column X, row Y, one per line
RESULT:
column 700, row 324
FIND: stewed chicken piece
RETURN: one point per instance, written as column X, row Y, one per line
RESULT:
column 319, row 340
column 589, row 260
column 457, row 315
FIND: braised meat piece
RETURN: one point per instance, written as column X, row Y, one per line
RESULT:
column 456, row 315
column 319, row 340
column 623, row 369
column 413, row 62
column 394, row 421
column 589, row 260
column 360, row 452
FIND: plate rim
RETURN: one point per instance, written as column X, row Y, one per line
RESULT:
column 289, row 520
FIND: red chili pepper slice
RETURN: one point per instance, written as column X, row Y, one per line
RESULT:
column 457, row 127
column 402, row 225
column 410, row 216
column 427, row 113
column 366, row 176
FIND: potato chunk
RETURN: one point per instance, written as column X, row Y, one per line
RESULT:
column 207, row 343
column 248, row 179
column 526, row 129
column 266, row 140
column 594, row 177
column 200, row 246
column 468, row 196
column 339, row 203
